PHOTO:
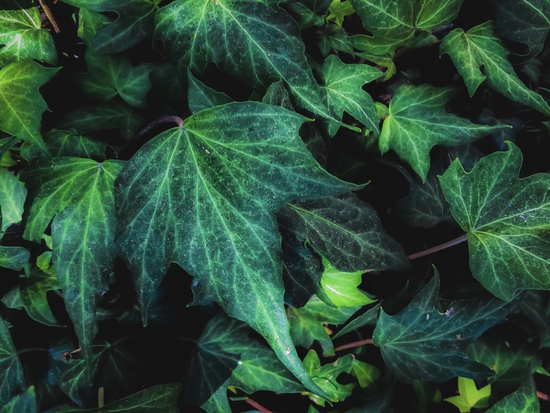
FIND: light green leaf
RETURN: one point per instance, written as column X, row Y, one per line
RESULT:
column 418, row 121
column 12, row 380
column 22, row 403
column 343, row 86
column 201, row 96
column 339, row 9
column 366, row 374
column 21, row 104
column 13, row 258
column 109, row 115
column 470, row 397
column 253, row 33
column 213, row 185
column 506, row 219
column 370, row 317
column 334, row 38
column 306, row 323
column 109, row 76
column 481, row 47
column 78, row 194
column 383, row 60
column 12, row 199
column 419, row 343
column 21, row 37
column 524, row 400
column 68, row 143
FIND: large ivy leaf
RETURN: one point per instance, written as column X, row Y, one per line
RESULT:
column 254, row 35
column 21, row 105
column 78, row 194
column 470, row 396
column 12, row 380
column 68, row 143
column 109, row 76
column 507, row 221
column 135, row 22
column 339, row 9
column 12, row 199
column 22, row 403
column 343, row 84
column 22, row 37
column 307, row 324
column 109, row 115
column 481, row 47
column 418, row 121
column 524, row 400
column 523, row 21
column 213, row 185
column 421, row 343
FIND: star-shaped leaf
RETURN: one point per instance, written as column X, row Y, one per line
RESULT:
column 418, row 121
column 470, row 397
column 12, row 380
column 506, row 219
column 419, row 343
column 481, row 47
column 523, row 400
column 213, row 184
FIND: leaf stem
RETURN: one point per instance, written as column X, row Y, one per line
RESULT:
column 166, row 119
column 49, row 15
column 257, row 405
column 28, row 350
column 542, row 396
column 438, row 248
column 354, row 344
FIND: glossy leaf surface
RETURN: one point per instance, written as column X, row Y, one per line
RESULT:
column 470, row 397
column 68, row 143
column 12, row 380
column 12, row 199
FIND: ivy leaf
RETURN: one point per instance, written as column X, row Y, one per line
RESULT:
column 368, row 318
column 425, row 395
column 78, row 194
column 419, row 343
column 534, row 307
column 481, row 47
column 334, row 38
column 307, row 323
column 346, row 231
column 109, row 76
column 418, row 121
column 366, row 374
column 470, row 397
column 523, row 21
column 523, row 400
column 22, row 403
column 68, row 143
column 22, row 37
column 343, row 86
column 201, row 96
column 21, row 104
column 254, row 35
column 12, row 199
column 276, row 94
column 33, row 292
column 230, row 164
column 339, row 9
column 13, row 258
column 12, row 380
column 218, row 402
column 135, row 23
column 109, row 115
column 506, row 220
column 309, row 12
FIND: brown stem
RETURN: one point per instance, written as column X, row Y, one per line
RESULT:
column 166, row 119
column 257, row 406
column 49, row 15
column 542, row 396
column 438, row 248
column 354, row 344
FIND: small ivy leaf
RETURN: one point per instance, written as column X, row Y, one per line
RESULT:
column 201, row 96
column 21, row 104
column 135, row 23
column 12, row 199
column 522, row 400
column 108, row 115
column 367, row 374
column 470, row 397
column 506, row 220
column 78, row 194
column 68, row 143
column 339, row 9
column 109, row 76
column 384, row 60
column 33, row 292
column 22, row 403
column 12, row 380
column 326, row 377
column 481, row 47
column 523, row 21
column 21, row 37
column 419, row 343
column 368, row 318
column 14, row 258
column 334, row 38
column 418, row 121
column 426, row 396
column 309, row 12
column 307, row 324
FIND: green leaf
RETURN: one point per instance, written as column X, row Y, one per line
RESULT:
column 22, row 37
column 326, row 376
column 231, row 167
column 201, row 96
column 307, row 323
column 524, row 400
column 481, row 47
column 523, row 21
column 470, row 397
column 277, row 95
column 384, row 60
column 426, row 396
column 33, row 292
column 536, row 308
column 135, row 22
column 22, row 403
column 78, row 194
column 12, row 380
column 309, row 12
column 13, row 258
column 253, row 33
column 346, row 231
column 418, row 121
column 162, row 398
column 341, row 287
column 109, row 76
column 109, row 115
column 339, row 9
column 419, row 343
column 334, row 38
column 21, row 104
column 368, row 318
column 12, row 199
column 68, row 143
column 343, row 85
column 506, row 219
column 218, row 402
column 366, row 374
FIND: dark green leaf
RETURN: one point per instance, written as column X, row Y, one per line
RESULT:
column 309, row 12
column 33, row 292
column 334, row 38
column 535, row 307
column 22, row 403
column 277, row 95
column 524, row 400
column 12, row 199
column 368, row 318
column 68, row 143
column 13, row 258
column 201, row 96
column 12, row 380
column 426, row 396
